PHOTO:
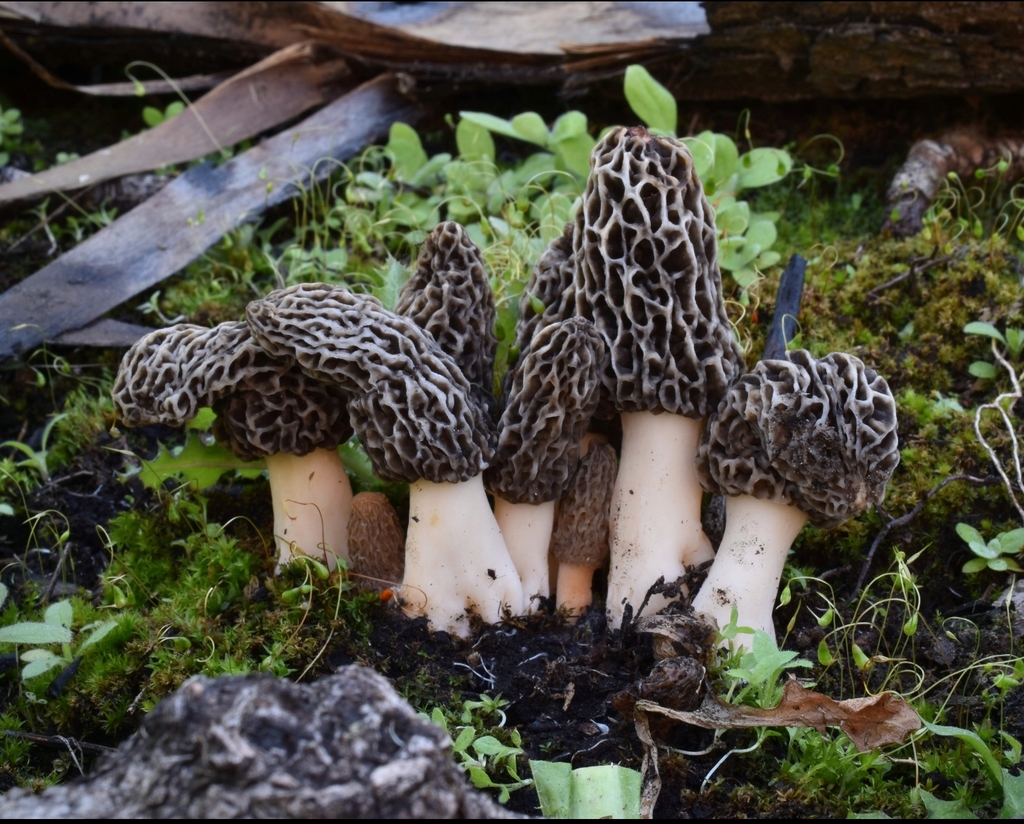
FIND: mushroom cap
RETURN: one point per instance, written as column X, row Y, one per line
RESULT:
column 553, row 397
column 553, row 282
column 409, row 402
column 264, row 406
column 647, row 275
column 580, row 534
column 816, row 434
column 376, row 542
column 450, row 297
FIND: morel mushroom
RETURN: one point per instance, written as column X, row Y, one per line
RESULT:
column 376, row 543
column 579, row 540
column 265, row 409
column 552, row 399
column 647, row 275
column 795, row 439
column 450, row 297
column 410, row 405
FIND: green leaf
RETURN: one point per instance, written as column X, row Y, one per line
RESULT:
column 761, row 232
column 975, row 565
column 1013, row 796
column 761, row 167
column 973, row 740
column 174, row 109
column 969, row 534
column 589, row 792
column 34, row 632
column 573, row 154
column 569, row 125
column 474, row 141
column 152, row 117
column 203, row 421
column 3, row 595
column 983, row 369
column 464, row 739
column 702, row 149
column 41, row 666
column 530, row 126
column 60, row 614
column 981, row 328
column 945, row 809
column 1012, row 541
column 406, row 149
column 650, row 101
column 100, row 632
column 195, row 463
column 491, row 124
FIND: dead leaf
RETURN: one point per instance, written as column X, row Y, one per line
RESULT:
column 870, row 722
column 275, row 90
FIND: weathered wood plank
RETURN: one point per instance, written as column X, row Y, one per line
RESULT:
column 175, row 226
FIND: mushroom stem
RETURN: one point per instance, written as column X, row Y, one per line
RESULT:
column 655, row 513
column 456, row 561
column 526, row 529
column 749, row 563
column 312, row 505
column 574, row 588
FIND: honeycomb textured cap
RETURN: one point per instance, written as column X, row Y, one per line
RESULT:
column 553, row 397
column 449, row 296
column 647, row 275
column 580, row 534
column 816, row 434
column 264, row 406
column 409, row 402
column 553, row 282
column 376, row 543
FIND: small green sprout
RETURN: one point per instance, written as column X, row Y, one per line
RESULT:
column 1012, row 340
column 992, row 554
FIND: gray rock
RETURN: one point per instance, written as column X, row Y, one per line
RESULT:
column 259, row 747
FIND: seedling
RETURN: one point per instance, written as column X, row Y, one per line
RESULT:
column 992, row 554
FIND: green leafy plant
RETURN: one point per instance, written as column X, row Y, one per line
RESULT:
column 11, row 129
column 36, row 459
column 478, row 749
column 154, row 117
column 53, row 630
column 745, row 237
column 992, row 554
column 1012, row 340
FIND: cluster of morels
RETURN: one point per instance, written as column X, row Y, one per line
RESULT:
column 634, row 327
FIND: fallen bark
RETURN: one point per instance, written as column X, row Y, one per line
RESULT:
column 274, row 91
column 927, row 169
column 175, row 226
column 258, row 747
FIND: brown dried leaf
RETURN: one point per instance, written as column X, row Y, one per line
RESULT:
column 274, row 91
column 869, row 722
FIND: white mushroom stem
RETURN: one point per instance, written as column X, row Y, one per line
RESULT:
column 655, row 513
column 312, row 505
column 456, row 561
column 526, row 529
column 749, row 563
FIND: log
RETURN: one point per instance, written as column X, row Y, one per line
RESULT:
column 858, row 50
column 255, row 746
column 175, row 226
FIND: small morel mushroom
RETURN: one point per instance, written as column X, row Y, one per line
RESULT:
column 647, row 275
column 552, row 399
column 795, row 439
column 376, row 543
column 266, row 408
column 450, row 297
column 411, row 406
column 553, row 283
column 579, row 540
